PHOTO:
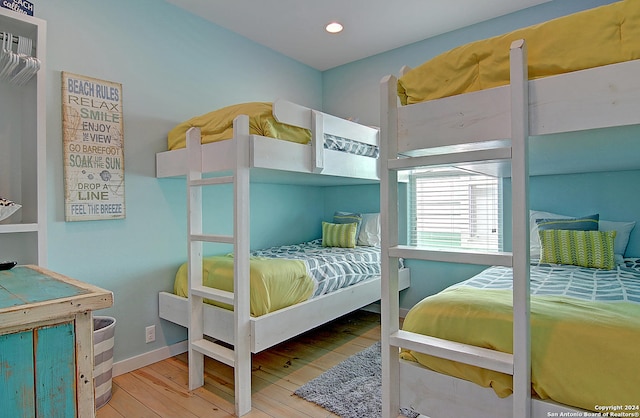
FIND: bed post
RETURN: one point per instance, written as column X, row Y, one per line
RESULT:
column 317, row 141
column 390, row 310
column 194, row 226
column 520, row 219
column 241, row 248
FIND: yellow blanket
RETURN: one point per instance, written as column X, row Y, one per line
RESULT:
column 218, row 125
column 592, row 38
column 275, row 282
column 583, row 353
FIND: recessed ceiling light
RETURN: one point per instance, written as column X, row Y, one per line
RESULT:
column 334, row 27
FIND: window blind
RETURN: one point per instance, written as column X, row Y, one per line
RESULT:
column 454, row 209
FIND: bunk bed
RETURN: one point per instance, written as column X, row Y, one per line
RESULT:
column 489, row 130
column 280, row 142
column 283, row 137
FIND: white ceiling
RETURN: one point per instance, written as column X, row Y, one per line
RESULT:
column 295, row 28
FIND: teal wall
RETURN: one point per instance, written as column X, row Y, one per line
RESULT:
column 172, row 66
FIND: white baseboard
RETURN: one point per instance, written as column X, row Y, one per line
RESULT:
column 133, row 363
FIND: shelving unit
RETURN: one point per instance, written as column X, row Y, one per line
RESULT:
column 23, row 236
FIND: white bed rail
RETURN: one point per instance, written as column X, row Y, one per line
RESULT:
column 285, row 156
column 594, row 98
column 321, row 124
column 409, row 133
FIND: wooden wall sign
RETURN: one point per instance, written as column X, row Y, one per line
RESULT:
column 93, row 140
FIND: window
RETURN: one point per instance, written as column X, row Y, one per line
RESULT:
column 454, row 209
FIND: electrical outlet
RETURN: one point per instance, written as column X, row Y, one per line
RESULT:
column 150, row 333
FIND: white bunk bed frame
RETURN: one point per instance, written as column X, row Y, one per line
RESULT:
column 275, row 154
column 589, row 99
column 240, row 155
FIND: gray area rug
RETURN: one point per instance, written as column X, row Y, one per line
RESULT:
column 353, row 388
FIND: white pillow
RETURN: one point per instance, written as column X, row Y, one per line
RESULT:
column 534, row 238
column 622, row 236
column 370, row 230
column 619, row 246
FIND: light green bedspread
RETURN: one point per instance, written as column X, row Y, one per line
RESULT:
column 275, row 282
column 584, row 353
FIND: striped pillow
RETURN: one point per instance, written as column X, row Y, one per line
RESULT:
column 587, row 223
column 592, row 249
column 339, row 235
column 347, row 218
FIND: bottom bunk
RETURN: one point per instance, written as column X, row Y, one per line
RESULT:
column 294, row 288
column 278, row 326
column 584, row 338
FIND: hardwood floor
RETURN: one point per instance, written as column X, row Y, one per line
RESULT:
column 161, row 389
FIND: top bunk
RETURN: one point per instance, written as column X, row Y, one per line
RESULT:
column 582, row 75
column 288, row 143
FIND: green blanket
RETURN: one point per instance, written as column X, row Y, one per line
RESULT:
column 275, row 282
column 584, row 353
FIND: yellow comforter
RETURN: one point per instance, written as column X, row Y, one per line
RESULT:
column 275, row 282
column 592, row 38
column 583, row 353
column 218, row 125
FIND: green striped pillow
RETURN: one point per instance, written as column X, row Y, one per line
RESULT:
column 579, row 248
column 587, row 223
column 339, row 235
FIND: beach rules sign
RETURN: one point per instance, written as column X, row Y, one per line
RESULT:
column 93, row 141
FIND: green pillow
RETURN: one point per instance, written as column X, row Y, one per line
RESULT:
column 340, row 217
column 579, row 248
column 339, row 235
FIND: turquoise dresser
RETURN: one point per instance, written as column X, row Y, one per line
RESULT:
column 46, row 343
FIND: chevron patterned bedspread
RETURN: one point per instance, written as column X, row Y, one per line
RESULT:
column 332, row 268
column 619, row 285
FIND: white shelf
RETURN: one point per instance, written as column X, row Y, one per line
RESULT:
column 15, row 228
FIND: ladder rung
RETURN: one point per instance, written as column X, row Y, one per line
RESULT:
column 214, row 351
column 466, row 257
column 225, row 239
column 454, row 351
column 502, row 153
column 217, row 295
column 210, row 181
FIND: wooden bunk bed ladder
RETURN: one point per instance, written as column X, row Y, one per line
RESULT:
column 239, row 356
column 519, row 364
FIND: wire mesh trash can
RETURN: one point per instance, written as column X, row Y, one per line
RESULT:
column 103, row 339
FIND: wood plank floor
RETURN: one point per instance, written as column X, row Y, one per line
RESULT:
column 161, row 389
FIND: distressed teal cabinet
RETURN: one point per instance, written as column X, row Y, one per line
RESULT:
column 46, row 343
